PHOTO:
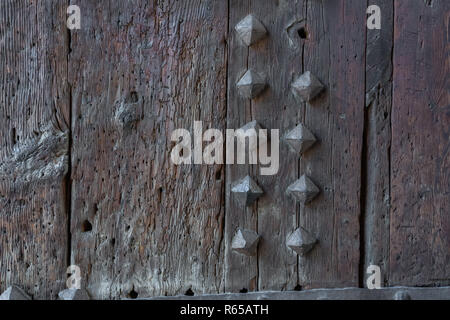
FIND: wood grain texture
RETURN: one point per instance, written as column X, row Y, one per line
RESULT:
column 420, row 166
column 240, row 272
column 157, row 228
column 377, row 143
column 334, row 52
column 34, row 108
column 280, row 58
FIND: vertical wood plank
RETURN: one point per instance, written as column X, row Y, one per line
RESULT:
column 34, row 108
column 334, row 52
column 280, row 58
column 142, row 226
column 420, row 171
column 241, row 272
column 377, row 148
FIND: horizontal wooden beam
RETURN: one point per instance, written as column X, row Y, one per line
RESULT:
column 393, row 293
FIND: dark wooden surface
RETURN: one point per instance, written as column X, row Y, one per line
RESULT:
column 420, row 157
column 157, row 228
column 80, row 186
column 377, row 144
column 334, row 52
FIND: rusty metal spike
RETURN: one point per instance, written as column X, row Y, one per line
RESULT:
column 303, row 190
column 246, row 191
column 245, row 242
column 301, row 241
column 307, row 87
column 251, row 84
column 300, row 139
column 14, row 293
column 250, row 30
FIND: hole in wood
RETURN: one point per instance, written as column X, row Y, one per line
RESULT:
column 189, row 292
column 243, row 290
column 132, row 97
column 219, row 175
column 302, row 33
column 133, row 294
column 86, row 226
column 298, row 288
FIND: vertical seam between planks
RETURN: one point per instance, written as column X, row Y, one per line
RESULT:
column 224, row 185
column 69, row 166
column 388, row 271
column 364, row 168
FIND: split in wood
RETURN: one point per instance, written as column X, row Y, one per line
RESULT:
column 251, row 84
column 300, row 139
column 307, row 87
column 250, row 30
column 246, row 191
column 303, row 190
column 245, row 242
column 301, row 241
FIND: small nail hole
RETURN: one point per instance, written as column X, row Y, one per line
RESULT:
column 303, row 34
column 133, row 294
column 86, row 226
column 189, row 292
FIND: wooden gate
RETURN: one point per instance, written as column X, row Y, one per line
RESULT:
column 86, row 118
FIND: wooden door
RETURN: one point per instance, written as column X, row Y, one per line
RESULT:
column 86, row 118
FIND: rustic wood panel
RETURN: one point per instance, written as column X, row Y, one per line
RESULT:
column 142, row 226
column 420, row 166
column 34, row 108
column 377, row 143
column 241, row 272
column 280, row 58
column 334, row 52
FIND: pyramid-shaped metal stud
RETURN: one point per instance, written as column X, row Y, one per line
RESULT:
column 301, row 241
column 251, row 84
column 300, row 139
column 245, row 242
column 250, row 30
column 14, row 293
column 74, row 294
column 303, row 190
column 246, row 191
column 307, row 86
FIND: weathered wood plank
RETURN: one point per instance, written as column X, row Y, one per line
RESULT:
column 141, row 225
column 376, row 155
column 280, row 58
column 241, row 272
column 334, row 52
column 393, row 293
column 420, row 166
column 34, row 112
